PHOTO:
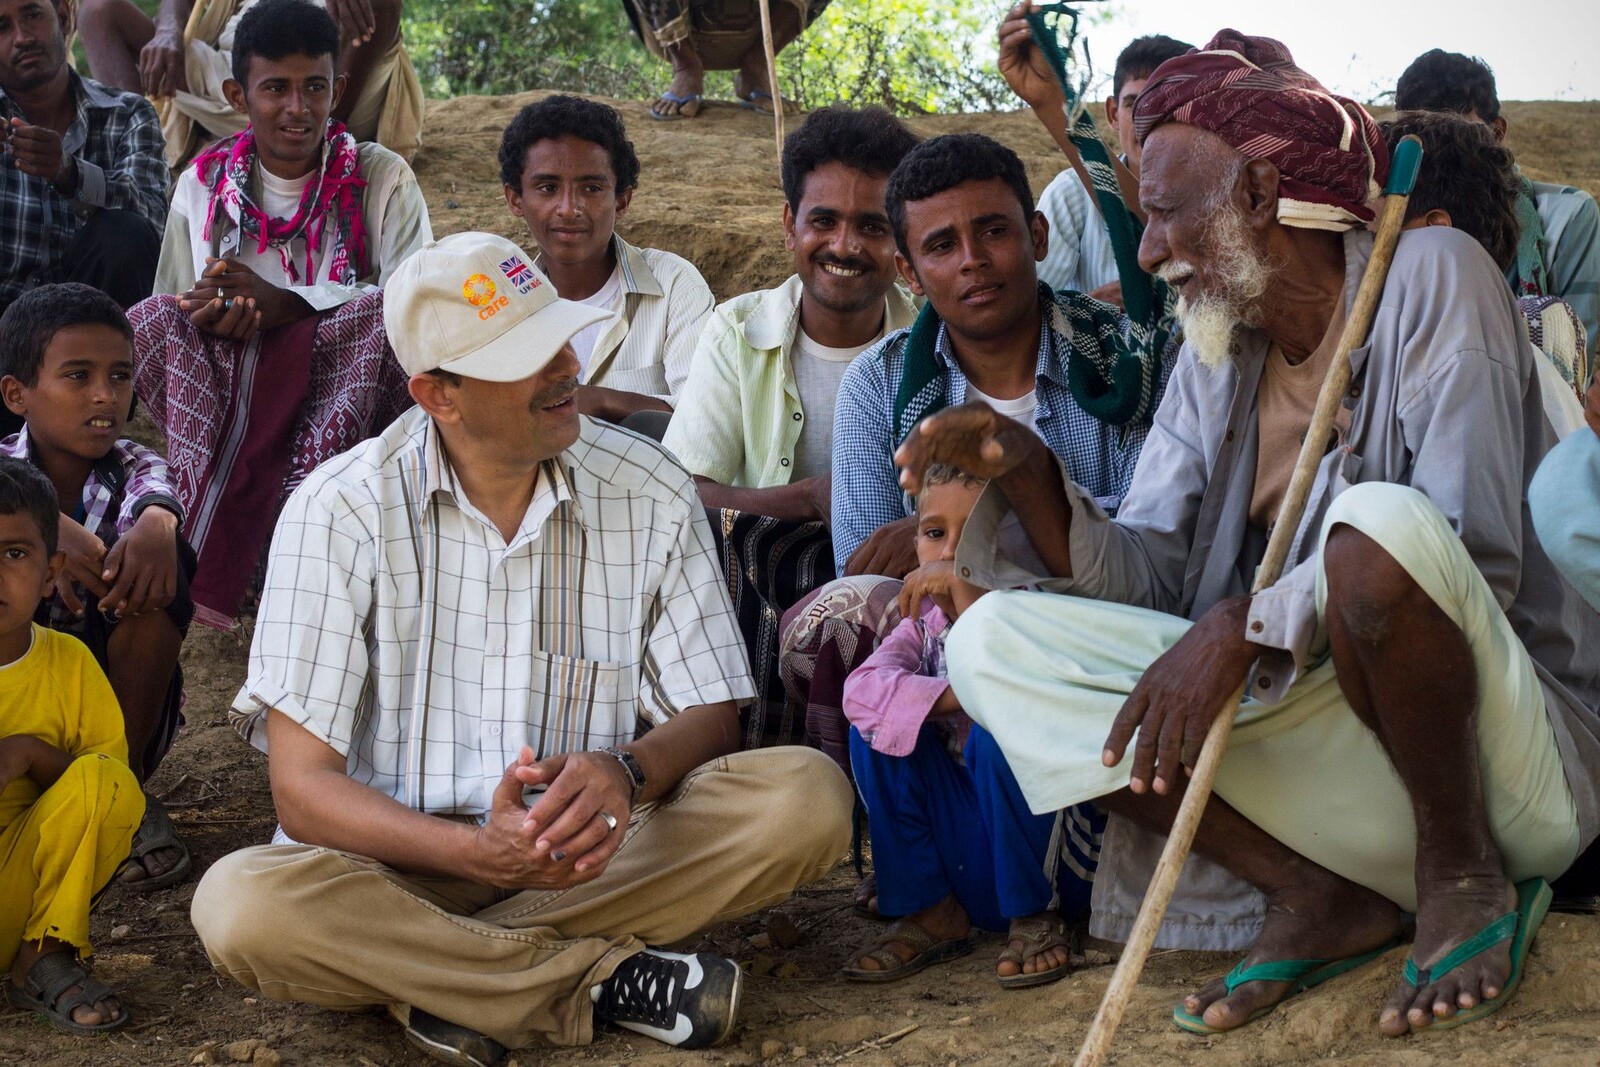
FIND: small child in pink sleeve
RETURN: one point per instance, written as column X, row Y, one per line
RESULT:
column 953, row 842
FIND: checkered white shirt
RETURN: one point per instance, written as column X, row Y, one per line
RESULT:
column 397, row 626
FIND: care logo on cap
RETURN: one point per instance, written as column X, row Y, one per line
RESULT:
column 478, row 289
column 519, row 274
column 481, row 292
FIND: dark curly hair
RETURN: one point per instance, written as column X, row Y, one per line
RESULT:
column 945, row 162
column 1142, row 56
column 1465, row 173
column 560, row 115
column 34, row 318
column 24, row 490
column 1448, row 81
column 869, row 140
column 273, row 29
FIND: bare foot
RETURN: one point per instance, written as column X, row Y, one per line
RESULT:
column 945, row 921
column 1053, row 958
column 1449, row 911
column 103, row 1011
column 1330, row 920
column 688, row 83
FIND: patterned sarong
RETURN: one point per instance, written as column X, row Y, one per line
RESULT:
column 825, row 637
column 245, row 423
column 769, row 564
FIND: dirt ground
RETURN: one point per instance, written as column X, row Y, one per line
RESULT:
column 710, row 192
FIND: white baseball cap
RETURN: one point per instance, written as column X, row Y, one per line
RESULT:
column 473, row 304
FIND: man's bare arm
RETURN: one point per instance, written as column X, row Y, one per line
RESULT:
column 804, row 501
column 320, row 804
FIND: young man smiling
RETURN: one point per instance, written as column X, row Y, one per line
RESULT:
column 754, row 423
column 269, row 355
column 570, row 172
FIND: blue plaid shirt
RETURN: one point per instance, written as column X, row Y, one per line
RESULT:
column 122, row 483
column 866, row 486
column 117, row 142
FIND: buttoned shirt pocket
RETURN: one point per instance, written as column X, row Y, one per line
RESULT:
column 574, row 704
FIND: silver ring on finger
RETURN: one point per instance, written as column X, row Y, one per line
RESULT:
column 609, row 819
column 221, row 292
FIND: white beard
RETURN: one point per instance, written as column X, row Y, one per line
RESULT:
column 1241, row 276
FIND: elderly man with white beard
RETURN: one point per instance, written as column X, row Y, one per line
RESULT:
column 1420, row 733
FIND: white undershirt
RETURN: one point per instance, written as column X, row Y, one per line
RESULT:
column 818, row 370
column 607, row 298
column 1021, row 409
column 280, row 197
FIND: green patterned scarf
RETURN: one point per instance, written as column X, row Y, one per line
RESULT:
column 1528, row 275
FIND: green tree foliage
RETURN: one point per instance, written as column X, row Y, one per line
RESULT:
column 909, row 55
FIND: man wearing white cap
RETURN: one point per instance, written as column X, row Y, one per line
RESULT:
column 499, row 674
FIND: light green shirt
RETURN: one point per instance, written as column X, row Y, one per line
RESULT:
column 739, row 415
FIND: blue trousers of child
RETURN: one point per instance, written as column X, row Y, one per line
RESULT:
column 939, row 828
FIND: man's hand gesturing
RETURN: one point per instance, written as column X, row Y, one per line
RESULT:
column 563, row 840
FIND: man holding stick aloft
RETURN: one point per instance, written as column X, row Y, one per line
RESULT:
column 1420, row 734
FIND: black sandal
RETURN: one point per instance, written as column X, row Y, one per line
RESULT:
column 44, row 990
column 157, row 832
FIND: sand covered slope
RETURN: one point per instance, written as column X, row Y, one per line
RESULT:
column 709, row 187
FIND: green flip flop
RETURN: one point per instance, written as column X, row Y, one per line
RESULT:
column 1301, row 974
column 1517, row 927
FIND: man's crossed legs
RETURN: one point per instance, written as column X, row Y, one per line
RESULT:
column 1415, row 770
column 323, row 927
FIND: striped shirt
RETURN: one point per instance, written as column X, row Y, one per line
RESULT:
column 398, row 627
column 648, row 347
column 1080, row 255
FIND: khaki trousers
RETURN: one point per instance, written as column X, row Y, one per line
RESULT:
column 341, row 931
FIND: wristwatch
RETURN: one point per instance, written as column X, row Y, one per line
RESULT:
column 630, row 767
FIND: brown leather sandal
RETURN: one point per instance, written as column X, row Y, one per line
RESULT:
column 1038, row 934
column 925, row 952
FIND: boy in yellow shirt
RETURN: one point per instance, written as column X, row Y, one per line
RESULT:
column 68, row 802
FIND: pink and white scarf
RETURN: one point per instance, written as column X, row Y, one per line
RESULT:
column 335, row 195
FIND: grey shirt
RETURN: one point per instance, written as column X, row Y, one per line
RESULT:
column 1443, row 397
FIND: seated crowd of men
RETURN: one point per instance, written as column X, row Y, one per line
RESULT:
column 562, row 574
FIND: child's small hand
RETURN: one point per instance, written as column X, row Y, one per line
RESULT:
column 934, row 579
column 85, row 563
column 142, row 567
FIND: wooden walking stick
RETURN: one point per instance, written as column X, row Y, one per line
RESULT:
column 772, row 74
column 1402, row 175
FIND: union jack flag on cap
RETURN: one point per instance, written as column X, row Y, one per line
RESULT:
column 519, row 274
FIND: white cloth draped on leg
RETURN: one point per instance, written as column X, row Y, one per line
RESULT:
column 1046, row 675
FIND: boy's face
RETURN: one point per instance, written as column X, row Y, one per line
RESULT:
column 569, row 199
column 942, row 511
column 288, row 101
column 83, row 395
column 27, row 574
column 973, row 254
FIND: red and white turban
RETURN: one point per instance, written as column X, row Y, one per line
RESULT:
column 1247, row 90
